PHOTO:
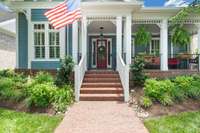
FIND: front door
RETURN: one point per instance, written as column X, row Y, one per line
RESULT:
column 101, row 54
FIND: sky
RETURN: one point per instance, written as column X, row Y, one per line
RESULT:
column 153, row 3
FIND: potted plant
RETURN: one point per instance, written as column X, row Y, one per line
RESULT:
column 142, row 37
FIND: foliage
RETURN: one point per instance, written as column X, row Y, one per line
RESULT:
column 41, row 95
column 142, row 37
column 183, row 84
column 137, row 70
column 185, row 12
column 12, row 85
column 180, row 36
column 187, row 122
column 43, row 77
column 159, row 90
column 65, row 71
column 62, row 98
column 18, row 122
column 145, row 102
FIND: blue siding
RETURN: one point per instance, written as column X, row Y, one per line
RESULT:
column 22, row 41
column 45, row 64
column 38, row 15
column 70, row 39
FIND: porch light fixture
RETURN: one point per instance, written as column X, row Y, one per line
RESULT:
column 101, row 33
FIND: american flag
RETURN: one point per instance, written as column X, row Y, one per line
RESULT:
column 65, row 13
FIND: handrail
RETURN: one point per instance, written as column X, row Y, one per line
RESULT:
column 78, row 76
column 123, row 70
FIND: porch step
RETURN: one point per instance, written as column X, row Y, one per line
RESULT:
column 98, row 80
column 101, row 75
column 102, row 90
column 101, row 72
column 101, row 85
column 101, row 97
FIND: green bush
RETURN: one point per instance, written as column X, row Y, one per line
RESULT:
column 194, row 91
column 43, row 77
column 159, row 90
column 11, row 90
column 184, row 82
column 145, row 102
column 65, row 71
column 41, row 95
column 137, row 70
column 166, row 99
column 62, row 98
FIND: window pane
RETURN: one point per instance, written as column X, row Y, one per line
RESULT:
column 51, row 52
column 57, row 52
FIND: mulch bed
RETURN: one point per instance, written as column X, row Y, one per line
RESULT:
column 159, row 110
column 22, row 107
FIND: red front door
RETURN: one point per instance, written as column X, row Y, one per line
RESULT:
column 101, row 54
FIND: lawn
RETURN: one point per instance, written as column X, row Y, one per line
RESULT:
column 188, row 122
column 19, row 122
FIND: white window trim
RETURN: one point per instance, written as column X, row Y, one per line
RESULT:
column 154, row 38
column 62, row 42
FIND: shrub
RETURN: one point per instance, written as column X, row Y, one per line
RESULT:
column 159, row 90
column 183, row 84
column 137, row 70
column 194, row 91
column 62, row 98
column 43, row 77
column 11, row 90
column 40, row 95
column 145, row 102
column 65, row 71
column 166, row 100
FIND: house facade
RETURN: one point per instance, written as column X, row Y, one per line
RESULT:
column 102, row 39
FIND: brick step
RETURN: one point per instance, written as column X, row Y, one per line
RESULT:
column 101, row 76
column 97, row 80
column 101, row 91
column 101, row 72
column 98, row 85
column 101, row 97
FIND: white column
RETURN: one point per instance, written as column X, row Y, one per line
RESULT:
column 84, row 36
column 128, row 39
column 119, row 36
column 164, row 45
column 75, row 42
column 198, row 42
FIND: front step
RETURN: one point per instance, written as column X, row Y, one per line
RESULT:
column 101, row 91
column 101, row 85
column 101, row 97
column 97, row 85
column 99, row 80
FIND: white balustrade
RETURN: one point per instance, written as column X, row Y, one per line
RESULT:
column 123, row 70
column 79, row 75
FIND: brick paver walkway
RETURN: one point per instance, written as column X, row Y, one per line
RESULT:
column 101, row 117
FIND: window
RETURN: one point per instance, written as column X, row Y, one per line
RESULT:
column 39, row 41
column 54, row 43
column 46, row 42
column 155, row 46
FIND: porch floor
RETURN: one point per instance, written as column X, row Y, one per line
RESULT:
column 101, row 117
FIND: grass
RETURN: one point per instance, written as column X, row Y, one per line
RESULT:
column 188, row 122
column 20, row 122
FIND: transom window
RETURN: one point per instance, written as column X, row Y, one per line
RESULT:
column 46, row 42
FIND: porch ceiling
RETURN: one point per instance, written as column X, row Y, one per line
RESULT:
column 94, row 27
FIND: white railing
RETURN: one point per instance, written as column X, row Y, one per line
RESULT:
column 123, row 70
column 79, row 72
